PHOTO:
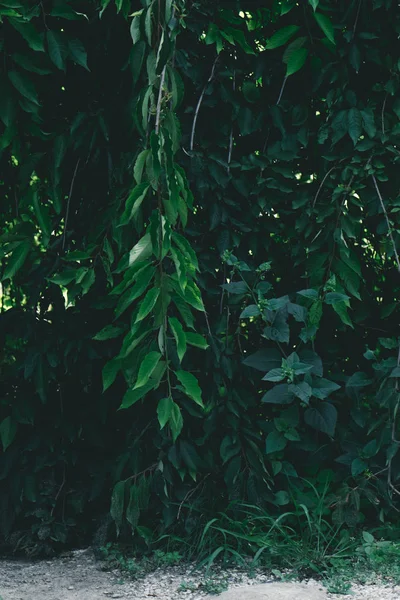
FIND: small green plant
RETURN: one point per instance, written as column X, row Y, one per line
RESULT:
column 338, row 584
column 214, row 586
column 187, row 586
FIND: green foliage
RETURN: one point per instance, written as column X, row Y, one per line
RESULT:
column 200, row 224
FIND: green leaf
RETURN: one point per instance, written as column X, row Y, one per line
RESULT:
column 8, row 429
column 282, row 498
column 133, row 203
column 340, row 309
column 141, row 251
column 356, row 383
column 117, row 504
column 275, row 442
column 279, row 394
column 16, row 260
column 296, row 61
column 108, row 332
column 281, row 37
column 143, row 279
column 274, row 375
column 264, row 360
column 355, row 124
column 322, row 417
column 323, row 387
column 147, row 367
column 110, row 372
column 24, row 85
column 197, row 340
column 301, row 390
column 29, row 33
column 250, row 311
column 133, row 395
column 179, row 335
column 164, row 411
column 325, row 24
column 229, row 448
column 358, row 466
column 57, row 49
column 139, row 165
column 310, row 293
column 175, row 421
column 147, row 304
column 191, row 386
column 314, row 4
column 335, row 297
column 78, row 53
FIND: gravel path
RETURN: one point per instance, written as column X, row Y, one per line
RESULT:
column 79, row 577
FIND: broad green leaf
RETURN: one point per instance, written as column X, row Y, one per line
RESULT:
column 133, row 203
column 8, row 429
column 282, row 498
column 322, row 417
column 142, row 281
column 264, row 360
column 274, row 375
column 148, row 28
column 197, row 340
column 335, row 297
column 57, row 49
column 355, row 124
column 110, row 372
column 78, row 53
column 310, row 293
column 179, row 335
column 141, row 251
column 117, row 504
column 282, row 36
column 147, row 304
column 296, row 61
column 175, row 421
column 16, row 260
column 190, row 386
column 358, row 466
column 193, row 296
column 340, row 309
column 314, row 4
column 108, row 332
column 279, row 394
column 229, row 447
column 301, row 390
column 356, row 383
column 275, row 442
column 186, row 249
column 323, row 387
column 326, row 25
column 29, row 33
column 139, row 165
column 147, row 367
column 24, row 85
column 133, row 395
column 250, row 311
column 164, row 411
column 64, row 278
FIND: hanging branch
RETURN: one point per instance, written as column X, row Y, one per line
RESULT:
column 196, row 113
column 387, row 222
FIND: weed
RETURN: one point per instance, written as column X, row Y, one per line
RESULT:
column 338, row 585
column 187, row 586
column 214, row 586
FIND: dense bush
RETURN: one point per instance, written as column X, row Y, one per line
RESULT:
column 199, row 228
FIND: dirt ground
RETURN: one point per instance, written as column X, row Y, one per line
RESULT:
column 79, row 577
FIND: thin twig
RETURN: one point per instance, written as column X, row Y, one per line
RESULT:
column 281, row 92
column 160, row 91
column 357, row 15
column 231, row 134
column 321, row 184
column 387, row 222
column 190, row 494
column 69, row 202
column 383, row 115
column 196, row 113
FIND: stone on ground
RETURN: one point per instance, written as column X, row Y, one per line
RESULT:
column 275, row 591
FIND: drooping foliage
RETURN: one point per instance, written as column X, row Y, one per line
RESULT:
column 199, row 272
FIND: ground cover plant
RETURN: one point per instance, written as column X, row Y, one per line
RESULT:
column 199, row 270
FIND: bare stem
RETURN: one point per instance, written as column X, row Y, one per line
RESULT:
column 281, row 92
column 196, row 113
column 71, row 189
column 387, row 222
